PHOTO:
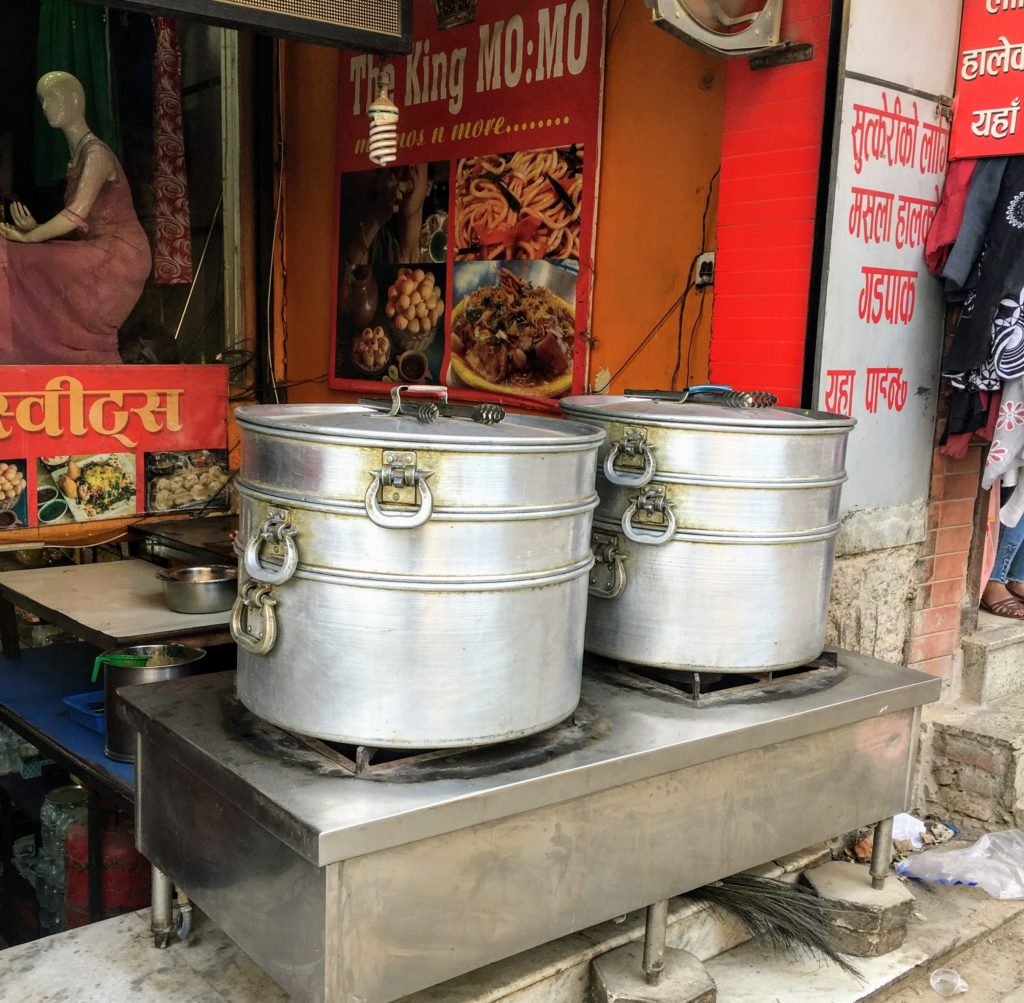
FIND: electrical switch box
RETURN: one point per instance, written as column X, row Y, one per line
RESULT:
column 704, row 270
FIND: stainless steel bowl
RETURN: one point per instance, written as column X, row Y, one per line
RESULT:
column 207, row 588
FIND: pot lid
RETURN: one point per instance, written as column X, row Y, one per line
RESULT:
column 705, row 407
column 419, row 420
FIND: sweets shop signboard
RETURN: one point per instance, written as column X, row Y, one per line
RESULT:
column 86, row 443
column 467, row 261
column 987, row 120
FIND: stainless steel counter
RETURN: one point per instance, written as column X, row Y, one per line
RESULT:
column 349, row 889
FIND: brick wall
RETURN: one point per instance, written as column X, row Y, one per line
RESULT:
column 768, row 192
column 941, row 591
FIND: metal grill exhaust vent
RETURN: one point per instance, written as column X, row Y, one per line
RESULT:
column 383, row 26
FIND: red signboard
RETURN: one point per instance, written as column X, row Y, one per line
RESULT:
column 83, row 443
column 990, row 78
column 467, row 261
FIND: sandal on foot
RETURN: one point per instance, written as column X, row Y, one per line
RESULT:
column 1013, row 609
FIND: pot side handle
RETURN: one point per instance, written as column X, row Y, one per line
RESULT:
column 277, row 531
column 634, row 443
column 260, row 597
column 648, row 539
column 381, row 518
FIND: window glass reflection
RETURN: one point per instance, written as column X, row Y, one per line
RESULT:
column 110, row 170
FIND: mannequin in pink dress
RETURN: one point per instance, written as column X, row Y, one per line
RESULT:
column 67, row 285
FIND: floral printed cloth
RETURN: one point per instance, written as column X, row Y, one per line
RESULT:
column 172, row 253
column 1006, row 454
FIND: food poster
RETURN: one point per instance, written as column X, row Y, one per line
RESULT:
column 86, row 443
column 467, row 261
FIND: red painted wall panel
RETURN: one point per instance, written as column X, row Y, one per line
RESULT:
column 768, row 197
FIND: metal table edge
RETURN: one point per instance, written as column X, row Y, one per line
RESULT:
column 228, row 784
column 108, row 785
column 495, row 804
column 908, row 689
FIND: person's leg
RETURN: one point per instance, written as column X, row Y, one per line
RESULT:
column 1015, row 571
column 997, row 597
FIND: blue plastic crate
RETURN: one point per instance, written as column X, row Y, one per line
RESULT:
column 87, row 710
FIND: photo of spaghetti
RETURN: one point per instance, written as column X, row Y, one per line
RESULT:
column 519, row 205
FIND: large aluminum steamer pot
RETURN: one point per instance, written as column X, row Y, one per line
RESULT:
column 715, row 535
column 412, row 583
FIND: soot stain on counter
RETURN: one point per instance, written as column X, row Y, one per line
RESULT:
column 408, row 766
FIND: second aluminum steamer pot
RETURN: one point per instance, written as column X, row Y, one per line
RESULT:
column 716, row 531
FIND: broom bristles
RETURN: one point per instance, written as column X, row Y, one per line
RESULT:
column 783, row 918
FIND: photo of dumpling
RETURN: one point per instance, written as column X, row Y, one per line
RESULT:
column 192, row 481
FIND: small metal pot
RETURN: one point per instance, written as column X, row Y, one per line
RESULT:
column 143, row 663
column 207, row 588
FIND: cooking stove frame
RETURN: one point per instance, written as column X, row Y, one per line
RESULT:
column 346, row 890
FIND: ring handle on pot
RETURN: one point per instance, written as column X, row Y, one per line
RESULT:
column 634, row 443
column 261, row 597
column 649, row 539
column 606, row 551
column 275, row 529
column 381, row 518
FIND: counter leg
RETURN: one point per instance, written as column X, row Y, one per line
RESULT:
column 654, row 942
column 9, row 642
column 7, row 846
column 881, row 853
column 162, row 918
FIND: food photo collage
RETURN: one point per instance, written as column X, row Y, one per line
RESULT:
column 88, row 487
column 506, row 229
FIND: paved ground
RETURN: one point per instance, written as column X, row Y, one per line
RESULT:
column 993, row 969
column 947, row 923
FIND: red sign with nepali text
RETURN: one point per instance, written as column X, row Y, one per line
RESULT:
column 987, row 118
column 466, row 262
column 84, row 443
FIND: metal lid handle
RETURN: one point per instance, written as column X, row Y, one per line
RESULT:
column 428, row 412
column 719, row 393
column 418, row 388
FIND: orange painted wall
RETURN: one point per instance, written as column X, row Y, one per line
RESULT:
column 662, row 141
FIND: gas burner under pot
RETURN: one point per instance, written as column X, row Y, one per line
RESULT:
column 408, row 766
column 704, row 689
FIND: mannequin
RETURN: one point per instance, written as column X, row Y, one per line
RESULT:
column 63, row 300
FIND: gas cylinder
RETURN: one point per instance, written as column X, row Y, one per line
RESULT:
column 124, row 874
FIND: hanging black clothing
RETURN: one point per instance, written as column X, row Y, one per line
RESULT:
column 1000, row 275
column 982, row 194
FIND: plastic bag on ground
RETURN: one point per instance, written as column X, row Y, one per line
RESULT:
column 907, row 828
column 995, row 862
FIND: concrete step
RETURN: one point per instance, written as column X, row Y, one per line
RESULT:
column 974, row 776
column 993, row 659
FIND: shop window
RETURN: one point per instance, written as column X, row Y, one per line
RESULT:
column 163, row 289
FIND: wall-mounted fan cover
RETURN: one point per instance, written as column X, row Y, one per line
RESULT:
column 721, row 27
